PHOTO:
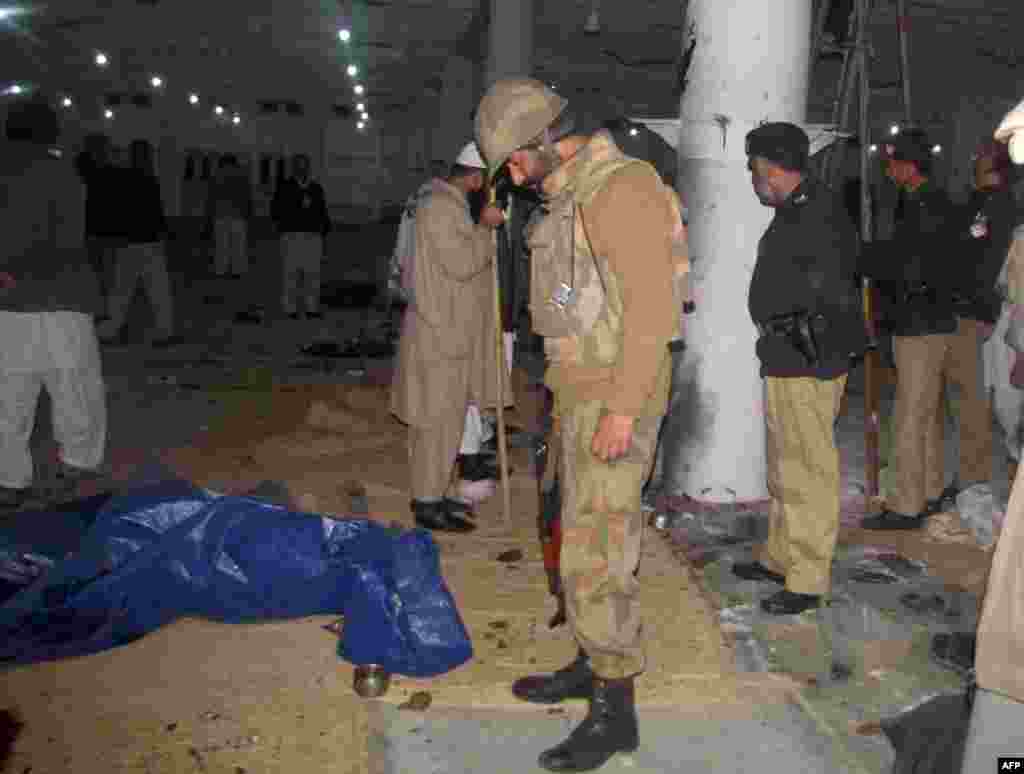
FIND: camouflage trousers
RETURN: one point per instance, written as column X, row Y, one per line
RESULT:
column 602, row 532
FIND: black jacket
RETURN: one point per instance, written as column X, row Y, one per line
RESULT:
column 806, row 261
column 102, row 196
column 298, row 208
column 140, row 209
column 917, row 270
column 986, row 231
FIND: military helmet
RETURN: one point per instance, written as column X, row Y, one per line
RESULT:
column 513, row 112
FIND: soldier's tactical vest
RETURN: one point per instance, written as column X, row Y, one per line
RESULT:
column 575, row 300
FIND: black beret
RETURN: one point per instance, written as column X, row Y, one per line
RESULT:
column 911, row 145
column 782, row 143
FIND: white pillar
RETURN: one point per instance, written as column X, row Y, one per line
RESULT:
column 750, row 65
column 510, row 41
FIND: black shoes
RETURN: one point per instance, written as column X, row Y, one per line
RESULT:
column 755, row 571
column 945, row 501
column 789, row 603
column 891, row 520
column 610, row 727
column 314, row 315
column 441, row 516
column 575, row 681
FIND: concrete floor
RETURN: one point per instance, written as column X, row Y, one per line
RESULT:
column 162, row 400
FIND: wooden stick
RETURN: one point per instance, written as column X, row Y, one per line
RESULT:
column 499, row 342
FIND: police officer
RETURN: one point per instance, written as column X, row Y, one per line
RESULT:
column 603, row 293
column 805, row 303
column 922, row 281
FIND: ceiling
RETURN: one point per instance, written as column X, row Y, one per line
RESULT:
column 243, row 52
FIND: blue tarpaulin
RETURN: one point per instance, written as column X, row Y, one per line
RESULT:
column 168, row 549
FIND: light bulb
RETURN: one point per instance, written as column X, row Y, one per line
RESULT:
column 156, row 81
column 633, row 132
column 360, row 125
column 352, row 70
column 344, row 35
column 101, row 59
column 218, row 110
column 13, row 89
column 361, row 107
column 894, row 130
column 108, row 113
column 359, row 88
column 193, row 99
column 937, row 149
column 66, row 102
column 873, row 148
column 236, row 120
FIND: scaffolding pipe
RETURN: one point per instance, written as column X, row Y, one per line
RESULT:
column 902, row 23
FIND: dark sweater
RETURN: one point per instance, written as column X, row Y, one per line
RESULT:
column 986, row 231
column 101, row 197
column 140, row 211
column 806, row 261
column 300, row 209
column 42, row 207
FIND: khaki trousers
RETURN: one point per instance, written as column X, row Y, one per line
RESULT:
column 602, row 533
column 433, row 448
column 924, row 364
column 803, row 480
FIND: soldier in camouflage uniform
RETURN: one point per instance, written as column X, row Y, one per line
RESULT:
column 608, row 263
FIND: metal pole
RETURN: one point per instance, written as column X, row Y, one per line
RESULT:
column 902, row 21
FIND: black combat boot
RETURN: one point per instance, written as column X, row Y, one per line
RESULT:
column 571, row 682
column 610, row 727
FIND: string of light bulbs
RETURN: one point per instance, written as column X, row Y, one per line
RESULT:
column 158, row 83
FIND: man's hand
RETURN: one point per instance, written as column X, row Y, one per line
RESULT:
column 613, row 438
column 492, row 216
column 7, row 281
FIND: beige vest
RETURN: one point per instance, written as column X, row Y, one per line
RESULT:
column 575, row 300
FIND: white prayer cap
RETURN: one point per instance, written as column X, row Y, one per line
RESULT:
column 469, row 156
column 1012, row 130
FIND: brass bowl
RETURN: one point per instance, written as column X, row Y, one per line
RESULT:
column 371, row 681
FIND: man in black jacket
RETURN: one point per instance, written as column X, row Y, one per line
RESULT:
column 142, row 253
column 300, row 213
column 806, row 305
column 934, row 342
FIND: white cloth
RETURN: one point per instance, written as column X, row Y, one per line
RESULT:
column 1011, row 130
column 57, row 350
column 473, row 432
column 1007, row 400
column 232, row 248
column 146, row 263
column 301, row 254
column 400, row 269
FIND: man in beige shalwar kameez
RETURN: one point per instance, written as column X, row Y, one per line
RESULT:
column 443, row 350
